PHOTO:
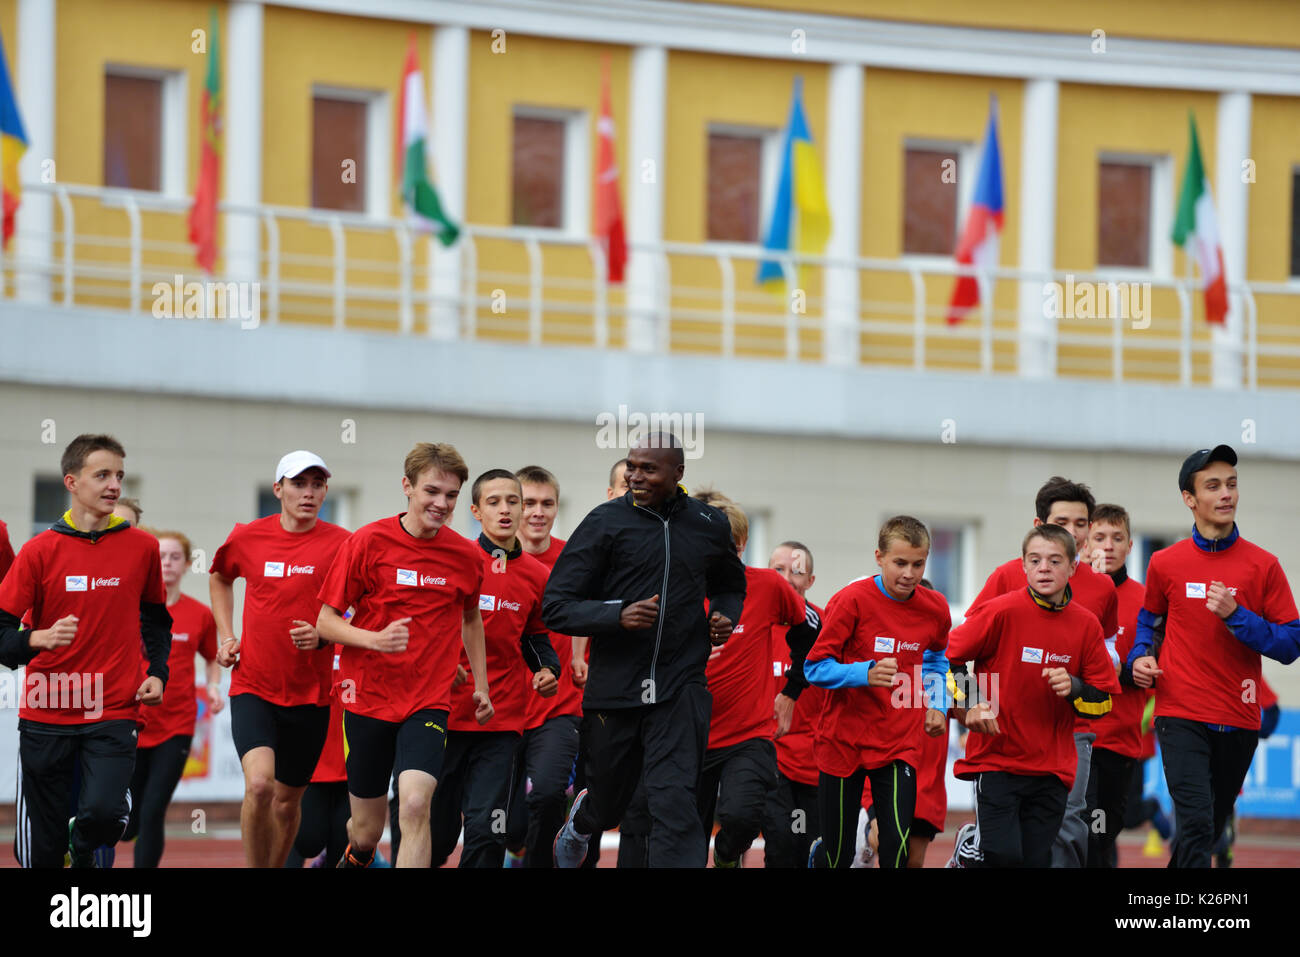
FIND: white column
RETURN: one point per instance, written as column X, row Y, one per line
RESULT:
column 843, row 154
column 241, row 153
column 450, row 132
column 645, row 194
column 1231, row 194
column 34, row 52
column 1036, row 349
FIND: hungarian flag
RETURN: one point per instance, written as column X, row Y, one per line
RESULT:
column 418, row 195
column 203, row 214
column 978, row 245
column 609, row 212
column 1196, row 229
column 13, row 144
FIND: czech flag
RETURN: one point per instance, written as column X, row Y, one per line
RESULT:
column 800, row 205
column 13, row 144
column 978, row 245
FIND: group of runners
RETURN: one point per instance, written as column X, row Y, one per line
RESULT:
column 519, row 695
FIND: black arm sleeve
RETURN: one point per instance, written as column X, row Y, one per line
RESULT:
column 568, row 606
column 1087, row 701
column 156, row 630
column 539, row 653
column 800, row 639
column 15, row 650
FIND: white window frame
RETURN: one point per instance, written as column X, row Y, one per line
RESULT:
column 769, row 174
column 968, row 170
column 173, row 135
column 379, row 154
column 968, row 529
column 1160, row 254
column 575, row 200
column 756, row 548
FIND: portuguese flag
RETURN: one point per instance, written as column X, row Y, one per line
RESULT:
column 203, row 214
column 1196, row 229
column 418, row 195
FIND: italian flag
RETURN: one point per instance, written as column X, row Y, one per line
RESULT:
column 203, row 214
column 418, row 195
column 1196, row 229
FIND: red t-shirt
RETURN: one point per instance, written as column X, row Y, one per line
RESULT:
column 870, row 727
column 794, row 749
column 282, row 573
column 332, row 766
column 1205, row 667
column 1012, row 639
column 510, row 600
column 194, row 632
column 568, row 699
column 737, row 671
column 102, row 583
column 387, row 573
column 6, row 551
column 1121, row 730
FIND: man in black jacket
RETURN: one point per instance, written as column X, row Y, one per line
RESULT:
column 634, row 576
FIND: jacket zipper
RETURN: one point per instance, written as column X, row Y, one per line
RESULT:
column 663, row 603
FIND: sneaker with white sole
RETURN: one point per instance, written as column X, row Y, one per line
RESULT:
column 570, row 847
column 965, row 852
column 812, row 851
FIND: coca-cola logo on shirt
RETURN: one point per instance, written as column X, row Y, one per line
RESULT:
column 1061, row 659
column 506, row 604
column 432, row 580
column 909, row 646
column 105, row 583
column 302, row 569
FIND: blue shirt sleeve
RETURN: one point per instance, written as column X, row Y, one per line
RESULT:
column 831, row 674
column 934, row 678
column 1145, row 638
column 1279, row 642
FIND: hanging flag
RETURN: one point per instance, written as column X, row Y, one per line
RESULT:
column 203, row 214
column 13, row 144
column 1196, row 229
column 800, row 205
column 609, row 211
column 418, row 195
column 978, row 245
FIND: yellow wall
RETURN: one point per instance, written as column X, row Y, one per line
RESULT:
column 1261, row 22
column 9, row 30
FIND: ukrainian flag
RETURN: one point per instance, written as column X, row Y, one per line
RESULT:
column 800, row 205
column 13, row 144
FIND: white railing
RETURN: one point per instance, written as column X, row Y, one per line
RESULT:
column 339, row 268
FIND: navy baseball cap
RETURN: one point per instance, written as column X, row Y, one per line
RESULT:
column 1201, row 458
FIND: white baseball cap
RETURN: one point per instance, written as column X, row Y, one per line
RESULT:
column 295, row 463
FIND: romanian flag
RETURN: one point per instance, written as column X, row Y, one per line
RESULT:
column 203, row 214
column 13, row 144
column 978, row 245
column 800, row 206
column 1196, row 228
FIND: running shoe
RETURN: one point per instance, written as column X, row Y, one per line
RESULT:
column 570, row 847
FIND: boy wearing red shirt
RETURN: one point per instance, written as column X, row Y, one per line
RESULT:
column 164, row 741
column 1119, row 734
column 279, row 690
column 876, row 630
column 415, row 586
column 6, row 551
column 1069, row 505
column 550, row 744
column 1214, row 603
column 1042, row 647
column 476, row 778
column 93, row 585
column 739, row 769
column 790, row 820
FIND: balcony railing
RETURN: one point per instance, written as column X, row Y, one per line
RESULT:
column 111, row 248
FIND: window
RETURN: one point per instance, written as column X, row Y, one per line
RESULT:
column 1133, row 200
column 144, row 129
column 931, row 200
column 350, row 153
column 744, row 164
column 757, row 551
column 1144, row 546
column 268, row 504
column 51, row 501
column 549, row 179
column 1295, row 222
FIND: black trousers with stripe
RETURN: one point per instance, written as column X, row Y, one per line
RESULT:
column 893, row 795
column 1205, row 769
column 47, row 757
column 1017, row 817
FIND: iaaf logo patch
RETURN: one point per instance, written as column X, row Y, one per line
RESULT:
column 884, row 644
column 273, row 570
column 487, row 603
column 1196, row 589
column 75, row 583
column 1032, row 655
